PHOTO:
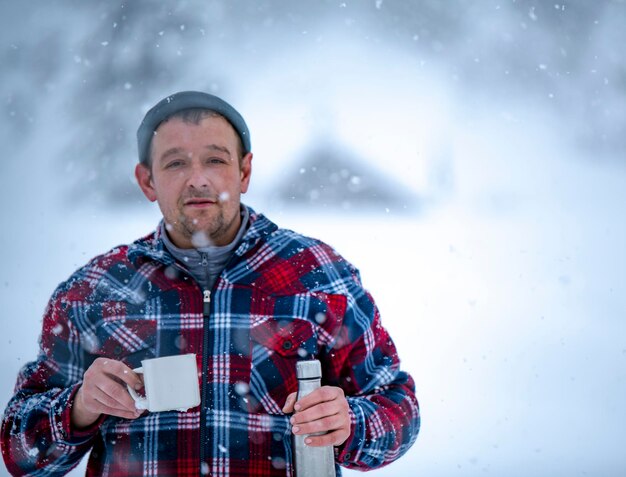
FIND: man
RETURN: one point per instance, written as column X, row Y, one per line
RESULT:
column 223, row 282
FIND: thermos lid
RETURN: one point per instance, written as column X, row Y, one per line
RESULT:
column 310, row 369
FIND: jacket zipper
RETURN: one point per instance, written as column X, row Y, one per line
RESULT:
column 206, row 311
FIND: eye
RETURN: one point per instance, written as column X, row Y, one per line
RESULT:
column 174, row 164
column 217, row 160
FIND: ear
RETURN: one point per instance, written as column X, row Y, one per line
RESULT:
column 144, row 179
column 246, row 172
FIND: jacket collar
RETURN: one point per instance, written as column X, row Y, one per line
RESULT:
column 152, row 246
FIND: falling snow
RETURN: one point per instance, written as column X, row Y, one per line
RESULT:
column 513, row 262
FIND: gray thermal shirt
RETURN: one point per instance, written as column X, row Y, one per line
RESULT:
column 206, row 263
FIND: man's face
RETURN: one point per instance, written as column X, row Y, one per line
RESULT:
column 196, row 178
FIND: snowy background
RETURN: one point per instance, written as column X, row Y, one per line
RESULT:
column 468, row 157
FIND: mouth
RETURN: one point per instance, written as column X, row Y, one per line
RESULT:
column 199, row 202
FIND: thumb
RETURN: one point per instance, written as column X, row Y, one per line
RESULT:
column 291, row 400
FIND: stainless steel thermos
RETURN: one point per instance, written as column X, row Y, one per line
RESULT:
column 311, row 461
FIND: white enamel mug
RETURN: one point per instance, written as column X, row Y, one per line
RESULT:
column 170, row 383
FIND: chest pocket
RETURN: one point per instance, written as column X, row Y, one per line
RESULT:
column 277, row 345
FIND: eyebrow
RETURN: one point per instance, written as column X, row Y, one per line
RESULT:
column 215, row 147
column 171, row 152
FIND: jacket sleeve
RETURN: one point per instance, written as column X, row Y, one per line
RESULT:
column 36, row 434
column 384, row 411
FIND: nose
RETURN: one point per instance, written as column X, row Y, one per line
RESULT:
column 198, row 177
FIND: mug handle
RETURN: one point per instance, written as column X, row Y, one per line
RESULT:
column 140, row 402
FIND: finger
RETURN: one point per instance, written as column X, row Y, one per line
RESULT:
column 319, row 411
column 114, row 397
column 323, row 394
column 117, row 395
column 112, row 411
column 335, row 438
column 97, row 401
column 291, row 400
column 121, row 372
column 327, row 424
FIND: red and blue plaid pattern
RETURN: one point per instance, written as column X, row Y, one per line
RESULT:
column 283, row 297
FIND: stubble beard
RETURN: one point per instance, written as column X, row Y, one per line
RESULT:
column 199, row 232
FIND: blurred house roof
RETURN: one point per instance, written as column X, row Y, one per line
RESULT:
column 331, row 177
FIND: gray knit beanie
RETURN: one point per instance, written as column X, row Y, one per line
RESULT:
column 187, row 100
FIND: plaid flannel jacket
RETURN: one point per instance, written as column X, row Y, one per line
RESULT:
column 281, row 298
